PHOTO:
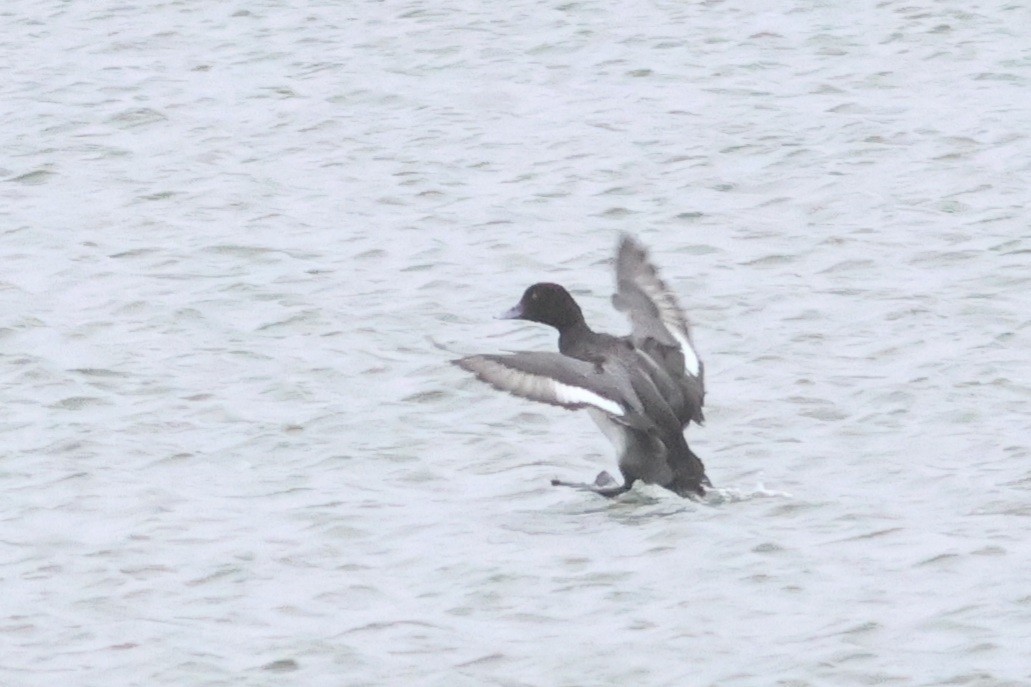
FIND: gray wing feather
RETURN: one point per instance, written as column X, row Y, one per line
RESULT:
column 660, row 328
column 558, row 380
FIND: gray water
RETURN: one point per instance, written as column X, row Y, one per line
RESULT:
column 240, row 242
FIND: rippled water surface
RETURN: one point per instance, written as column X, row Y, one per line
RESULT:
column 240, row 242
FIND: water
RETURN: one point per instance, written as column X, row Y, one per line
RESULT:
column 241, row 241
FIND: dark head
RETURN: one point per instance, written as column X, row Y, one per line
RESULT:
column 548, row 304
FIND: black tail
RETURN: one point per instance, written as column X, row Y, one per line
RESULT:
column 688, row 472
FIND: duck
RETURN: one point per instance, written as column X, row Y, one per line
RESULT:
column 642, row 389
column 661, row 332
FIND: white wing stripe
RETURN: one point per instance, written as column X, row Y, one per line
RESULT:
column 691, row 363
column 575, row 394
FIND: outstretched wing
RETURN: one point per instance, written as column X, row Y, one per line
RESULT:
column 660, row 329
column 556, row 379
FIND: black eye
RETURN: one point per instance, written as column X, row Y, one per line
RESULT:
column 534, row 295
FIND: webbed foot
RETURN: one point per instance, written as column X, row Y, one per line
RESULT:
column 604, row 484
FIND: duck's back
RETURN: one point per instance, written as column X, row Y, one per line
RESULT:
column 593, row 347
